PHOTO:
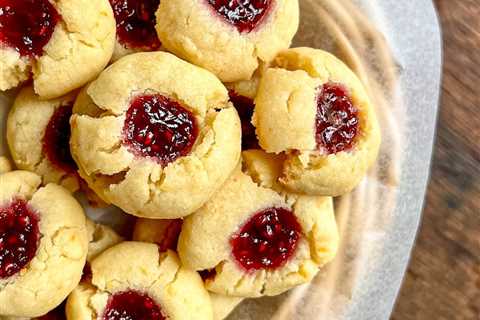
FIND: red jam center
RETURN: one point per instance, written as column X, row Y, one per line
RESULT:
column 132, row 305
column 245, row 15
column 267, row 240
column 136, row 23
column 27, row 25
column 19, row 236
column 336, row 120
column 158, row 127
column 245, row 107
column 56, row 140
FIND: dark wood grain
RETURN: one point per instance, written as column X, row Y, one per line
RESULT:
column 443, row 280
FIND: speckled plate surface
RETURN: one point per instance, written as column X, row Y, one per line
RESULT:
column 395, row 48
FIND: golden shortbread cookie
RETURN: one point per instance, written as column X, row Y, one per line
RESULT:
column 47, row 243
column 287, row 120
column 230, row 48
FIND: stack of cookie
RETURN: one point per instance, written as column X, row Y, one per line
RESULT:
column 226, row 145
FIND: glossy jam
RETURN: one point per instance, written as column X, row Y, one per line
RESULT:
column 245, row 15
column 245, row 108
column 160, row 128
column 56, row 140
column 132, row 305
column 267, row 240
column 337, row 119
column 19, row 237
column 136, row 23
column 27, row 25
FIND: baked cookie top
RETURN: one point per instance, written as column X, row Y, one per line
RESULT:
column 45, row 238
column 63, row 44
column 135, row 280
column 38, row 135
column 229, row 38
column 311, row 106
column 155, row 135
column 252, row 240
column 5, row 165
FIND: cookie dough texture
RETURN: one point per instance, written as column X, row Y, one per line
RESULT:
column 204, row 240
column 140, row 266
column 5, row 165
column 285, row 122
column 157, row 231
column 26, row 125
column 139, row 185
column 100, row 238
column 57, row 267
column 81, row 46
column 194, row 31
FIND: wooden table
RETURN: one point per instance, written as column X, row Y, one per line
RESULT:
column 443, row 280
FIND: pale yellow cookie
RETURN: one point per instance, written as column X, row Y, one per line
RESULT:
column 5, row 165
column 138, row 269
column 286, row 121
column 123, row 168
column 165, row 234
column 52, row 265
column 80, row 47
column 35, row 150
column 100, row 238
column 196, row 32
column 302, row 231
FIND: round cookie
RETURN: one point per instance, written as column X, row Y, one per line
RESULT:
column 135, row 21
column 136, row 280
column 45, row 249
column 165, row 234
column 229, row 39
column 254, row 241
column 38, row 134
column 311, row 106
column 5, row 165
column 100, row 238
column 63, row 44
column 155, row 135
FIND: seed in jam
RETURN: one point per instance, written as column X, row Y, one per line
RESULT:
column 267, row 240
column 56, row 140
column 136, row 23
column 159, row 127
column 19, row 237
column 132, row 305
column 245, row 15
column 27, row 25
column 245, row 108
column 336, row 120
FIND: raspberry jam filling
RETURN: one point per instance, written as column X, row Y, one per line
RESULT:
column 245, row 107
column 245, row 15
column 19, row 237
column 27, row 25
column 132, row 305
column 56, row 140
column 136, row 23
column 337, row 119
column 158, row 127
column 267, row 240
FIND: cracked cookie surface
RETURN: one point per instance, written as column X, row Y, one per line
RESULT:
column 56, row 266
column 38, row 133
column 314, row 109
column 141, row 183
column 80, row 47
column 139, row 268
column 196, row 32
column 207, row 240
